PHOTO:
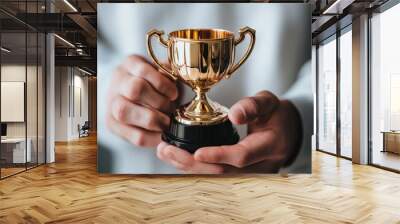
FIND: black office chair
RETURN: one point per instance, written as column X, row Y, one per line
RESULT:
column 84, row 130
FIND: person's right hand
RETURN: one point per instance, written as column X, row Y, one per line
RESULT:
column 139, row 101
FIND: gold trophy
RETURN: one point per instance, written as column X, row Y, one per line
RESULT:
column 201, row 58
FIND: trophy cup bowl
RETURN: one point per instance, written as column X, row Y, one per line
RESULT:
column 200, row 58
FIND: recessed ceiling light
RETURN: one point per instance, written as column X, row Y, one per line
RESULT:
column 337, row 7
column 64, row 40
column 5, row 49
column 70, row 5
column 84, row 71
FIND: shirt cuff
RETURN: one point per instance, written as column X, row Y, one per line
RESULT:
column 302, row 163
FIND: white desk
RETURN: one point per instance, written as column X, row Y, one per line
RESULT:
column 18, row 149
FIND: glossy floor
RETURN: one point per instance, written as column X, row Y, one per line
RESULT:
column 387, row 159
column 70, row 191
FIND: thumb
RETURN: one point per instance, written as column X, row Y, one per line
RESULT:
column 250, row 108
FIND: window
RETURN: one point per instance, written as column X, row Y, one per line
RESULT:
column 346, row 93
column 334, row 65
column 327, row 95
column 385, row 89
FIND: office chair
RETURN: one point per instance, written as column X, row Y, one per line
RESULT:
column 84, row 130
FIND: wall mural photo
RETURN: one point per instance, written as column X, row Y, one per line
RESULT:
column 208, row 88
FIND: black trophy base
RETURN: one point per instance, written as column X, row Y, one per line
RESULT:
column 193, row 137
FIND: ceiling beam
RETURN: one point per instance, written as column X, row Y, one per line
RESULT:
column 320, row 22
column 337, row 7
column 49, row 22
column 86, row 27
column 81, row 61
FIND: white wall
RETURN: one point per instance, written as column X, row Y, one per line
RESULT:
column 69, row 82
column 33, row 126
column 11, row 73
column 61, row 103
column 15, row 72
column 80, row 84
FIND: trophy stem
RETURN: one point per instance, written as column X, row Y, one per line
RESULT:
column 200, row 106
column 201, row 97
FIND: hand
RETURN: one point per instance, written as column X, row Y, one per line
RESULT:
column 274, row 135
column 139, row 100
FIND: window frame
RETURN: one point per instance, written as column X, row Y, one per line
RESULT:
column 333, row 37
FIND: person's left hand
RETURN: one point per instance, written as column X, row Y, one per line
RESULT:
column 274, row 136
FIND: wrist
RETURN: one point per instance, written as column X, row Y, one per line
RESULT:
column 294, row 131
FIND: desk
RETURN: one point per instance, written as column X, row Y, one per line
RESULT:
column 13, row 150
column 391, row 141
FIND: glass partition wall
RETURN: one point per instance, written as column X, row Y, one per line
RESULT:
column 22, row 107
column 334, row 75
column 385, row 89
column 13, row 110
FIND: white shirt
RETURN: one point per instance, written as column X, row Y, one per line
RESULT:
column 280, row 63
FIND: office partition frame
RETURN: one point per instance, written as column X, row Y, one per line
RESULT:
column 43, row 54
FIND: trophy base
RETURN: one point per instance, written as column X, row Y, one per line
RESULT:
column 193, row 137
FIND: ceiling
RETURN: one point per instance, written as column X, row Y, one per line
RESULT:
column 72, row 20
column 76, row 22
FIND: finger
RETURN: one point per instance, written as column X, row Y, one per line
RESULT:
column 136, row 136
column 139, row 90
column 254, row 148
column 248, row 109
column 184, row 161
column 271, row 164
column 164, row 157
column 129, row 113
column 140, row 67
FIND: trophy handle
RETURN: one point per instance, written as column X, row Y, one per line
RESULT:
column 243, row 31
column 164, row 43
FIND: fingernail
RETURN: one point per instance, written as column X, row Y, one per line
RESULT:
column 198, row 156
column 161, row 145
column 234, row 119
column 159, row 154
column 169, row 153
column 167, row 121
column 173, row 96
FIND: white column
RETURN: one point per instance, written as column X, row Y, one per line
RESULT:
column 50, row 99
column 360, row 90
column 314, row 89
